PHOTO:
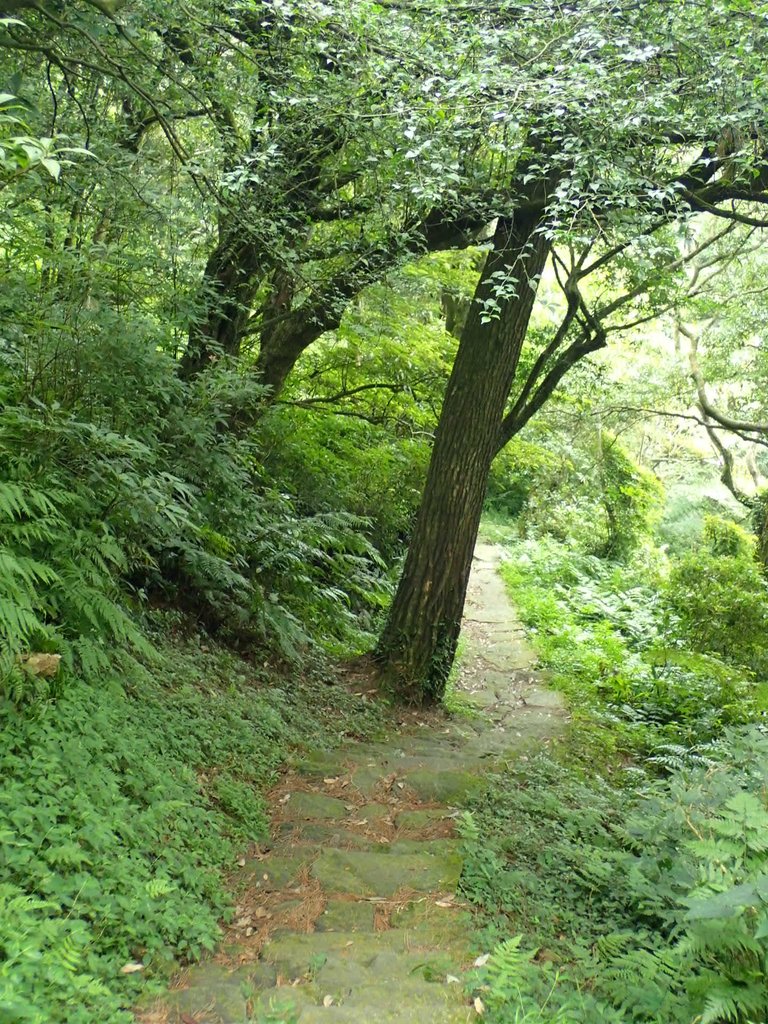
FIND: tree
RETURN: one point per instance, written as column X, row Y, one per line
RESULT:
column 642, row 70
column 258, row 165
column 315, row 158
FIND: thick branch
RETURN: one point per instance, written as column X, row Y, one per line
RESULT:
column 708, row 409
column 304, row 403
column 591, row 339
column 726, row 458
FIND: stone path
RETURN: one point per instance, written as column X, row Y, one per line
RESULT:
column 352, row 915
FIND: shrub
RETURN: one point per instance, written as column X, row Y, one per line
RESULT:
column 650, row 901
column 719, row 605
column 601, row 629
column 110, row 853
column 122, row 804
column 724, row 538
column 631, row 499
column 334, row 464
column 58, row 567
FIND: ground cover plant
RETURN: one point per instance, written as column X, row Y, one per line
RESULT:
column 125, row 802
column 621, row 876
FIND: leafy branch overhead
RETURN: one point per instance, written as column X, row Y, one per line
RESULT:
column 293, row 293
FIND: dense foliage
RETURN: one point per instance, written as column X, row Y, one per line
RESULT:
column 288, row 291
column 621, row 876
column 647, row 901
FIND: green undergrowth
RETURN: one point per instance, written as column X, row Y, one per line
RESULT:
column 621, row 876
column 122, row 806
column 632, row 902
column 646, row 661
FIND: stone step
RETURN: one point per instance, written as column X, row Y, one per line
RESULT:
column 234, row 997
column 415, row 821
column 302, row 806
column 377, row 1003
column 384, row 1014
column 369, row 873
column 450, row 786
column 296, row 955
column 321, row 835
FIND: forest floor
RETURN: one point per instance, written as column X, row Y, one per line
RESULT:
column 352, row 914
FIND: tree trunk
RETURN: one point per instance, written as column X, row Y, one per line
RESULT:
column 418, row 644
column 230, row 283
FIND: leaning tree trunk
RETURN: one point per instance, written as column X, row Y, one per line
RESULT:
column 418, row 644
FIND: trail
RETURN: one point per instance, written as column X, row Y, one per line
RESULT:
column 352, row 916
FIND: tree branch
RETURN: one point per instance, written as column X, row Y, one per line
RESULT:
column 707, row 408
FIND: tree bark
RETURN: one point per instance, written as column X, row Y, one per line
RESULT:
column 418, row 644
column 231, row 280
column 237, row 270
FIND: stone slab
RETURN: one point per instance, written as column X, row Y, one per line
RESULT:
column 446, row 785
column 383, row 874
column 313, row 807
column 346, row 916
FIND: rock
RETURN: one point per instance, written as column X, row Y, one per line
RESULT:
column 45, row 665
column 278, row 871
column 446, row 927
column 321, row 764
column 313, row 806
column 326, row 835
column 382, row 874
column 414, row 821
column 450, row 786
column 372, row 812
column 346, row 916
column 366, row 781
column 219, row 989
column 425, row 846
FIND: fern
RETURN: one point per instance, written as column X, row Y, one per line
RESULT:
column 58, row 588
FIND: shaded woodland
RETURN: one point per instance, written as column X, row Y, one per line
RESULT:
column 294, row 296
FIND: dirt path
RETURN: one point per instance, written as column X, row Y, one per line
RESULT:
column 352, row 916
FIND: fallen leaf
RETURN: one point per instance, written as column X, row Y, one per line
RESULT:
column 401, row 785
column 479, row 1005
column 285, row 799
column 451, row 979
column 241, row 862
column 482, row 960
column 327, row 1000
column 330, row 781
column 131, row 968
